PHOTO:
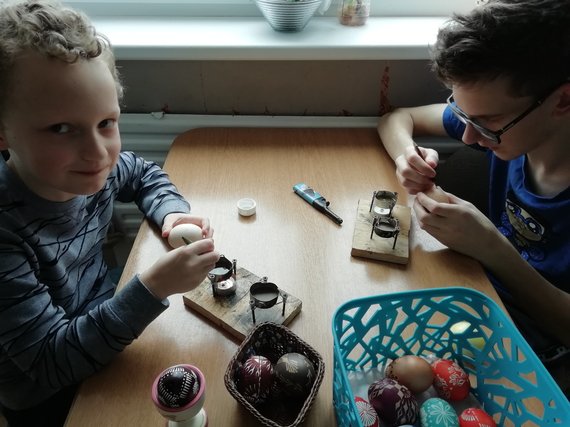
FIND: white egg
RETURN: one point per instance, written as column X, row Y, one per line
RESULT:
column 190, row 232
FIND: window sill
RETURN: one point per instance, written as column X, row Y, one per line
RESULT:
column 324, row 38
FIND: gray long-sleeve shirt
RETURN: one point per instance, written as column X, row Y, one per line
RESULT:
column 60, row 319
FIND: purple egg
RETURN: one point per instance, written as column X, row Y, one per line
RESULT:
column 256, row 379
column 393, row 402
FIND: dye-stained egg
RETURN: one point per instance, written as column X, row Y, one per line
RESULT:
column 256, row 380
column 475, row 417
column 190, row 232
column 436, row 412
column 411, row 371
column 367, row 413
column 295, row 374
column 450, row 381
column 393, row 402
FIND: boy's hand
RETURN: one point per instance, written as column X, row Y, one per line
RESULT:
column 458, row 224
column 181, row 269
column 415, row 173
column 173, row 219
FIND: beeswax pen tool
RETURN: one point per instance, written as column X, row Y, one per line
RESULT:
column 418, row 151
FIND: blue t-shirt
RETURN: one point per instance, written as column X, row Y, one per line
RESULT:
column 537, row 226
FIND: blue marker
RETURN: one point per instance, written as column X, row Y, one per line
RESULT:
column 316, row 200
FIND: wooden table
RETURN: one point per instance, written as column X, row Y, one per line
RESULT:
column 297, row 247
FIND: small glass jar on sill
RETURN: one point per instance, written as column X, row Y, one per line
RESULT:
column 353, row 12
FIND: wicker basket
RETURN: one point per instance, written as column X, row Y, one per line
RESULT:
column 273, row 341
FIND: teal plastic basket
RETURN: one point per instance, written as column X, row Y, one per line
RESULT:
column 507, row 378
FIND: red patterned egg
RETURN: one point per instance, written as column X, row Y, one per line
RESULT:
column 393, row 402
column 450, row 380
column 368, row 415
column 295, row 374
column 475, row 417
column 256, row 379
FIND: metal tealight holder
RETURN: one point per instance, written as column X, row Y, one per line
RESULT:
column 264, row 294
column 384, row 224
column 223, row 277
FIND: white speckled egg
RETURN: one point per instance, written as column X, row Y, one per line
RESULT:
column 190, row 232
column 436, row 412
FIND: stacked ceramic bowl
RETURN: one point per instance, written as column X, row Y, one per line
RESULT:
column 288, row 15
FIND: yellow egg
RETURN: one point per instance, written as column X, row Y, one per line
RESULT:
column 411, row 371
column 180, row 232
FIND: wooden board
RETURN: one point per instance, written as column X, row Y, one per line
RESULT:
column 233, row 312
column 377, row 247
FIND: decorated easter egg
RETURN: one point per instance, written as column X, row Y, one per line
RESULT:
column 393, row 402
column 190, row 232
column 295, row 374
column 436, row 412
column 450, row 380
column 412, row 372
column 177, row 386
column 475, row 417
column 256, row 379
column 367, row 413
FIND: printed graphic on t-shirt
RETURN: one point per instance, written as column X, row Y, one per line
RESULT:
column 524, row 230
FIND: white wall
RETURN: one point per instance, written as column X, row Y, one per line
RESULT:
column 321, row 88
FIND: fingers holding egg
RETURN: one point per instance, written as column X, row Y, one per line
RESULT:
column 189, row 232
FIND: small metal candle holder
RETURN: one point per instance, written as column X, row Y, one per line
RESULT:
column 223, row 277
column 386, row 227
column 383, row 223
column 383, row 203
column 264, row 294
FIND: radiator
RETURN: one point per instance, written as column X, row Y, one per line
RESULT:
column 150, row 136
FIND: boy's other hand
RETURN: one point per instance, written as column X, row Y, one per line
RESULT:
column 181, row 270
column 459, row 225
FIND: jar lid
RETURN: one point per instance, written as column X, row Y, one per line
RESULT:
column 246, row 206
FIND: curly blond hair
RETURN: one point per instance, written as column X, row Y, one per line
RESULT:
column 51, row 29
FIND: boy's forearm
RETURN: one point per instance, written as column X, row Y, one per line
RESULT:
column 542, row 301
column 396, row 130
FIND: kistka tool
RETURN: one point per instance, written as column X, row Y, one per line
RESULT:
column 316, row 200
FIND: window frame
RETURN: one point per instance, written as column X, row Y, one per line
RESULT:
column 241, row 8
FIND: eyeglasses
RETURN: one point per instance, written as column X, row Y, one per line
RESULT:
column 493, row 136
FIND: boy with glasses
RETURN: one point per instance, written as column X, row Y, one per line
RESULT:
column 507, row 64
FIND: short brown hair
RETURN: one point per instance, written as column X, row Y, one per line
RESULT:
column 525, row 41
column 51, row 29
